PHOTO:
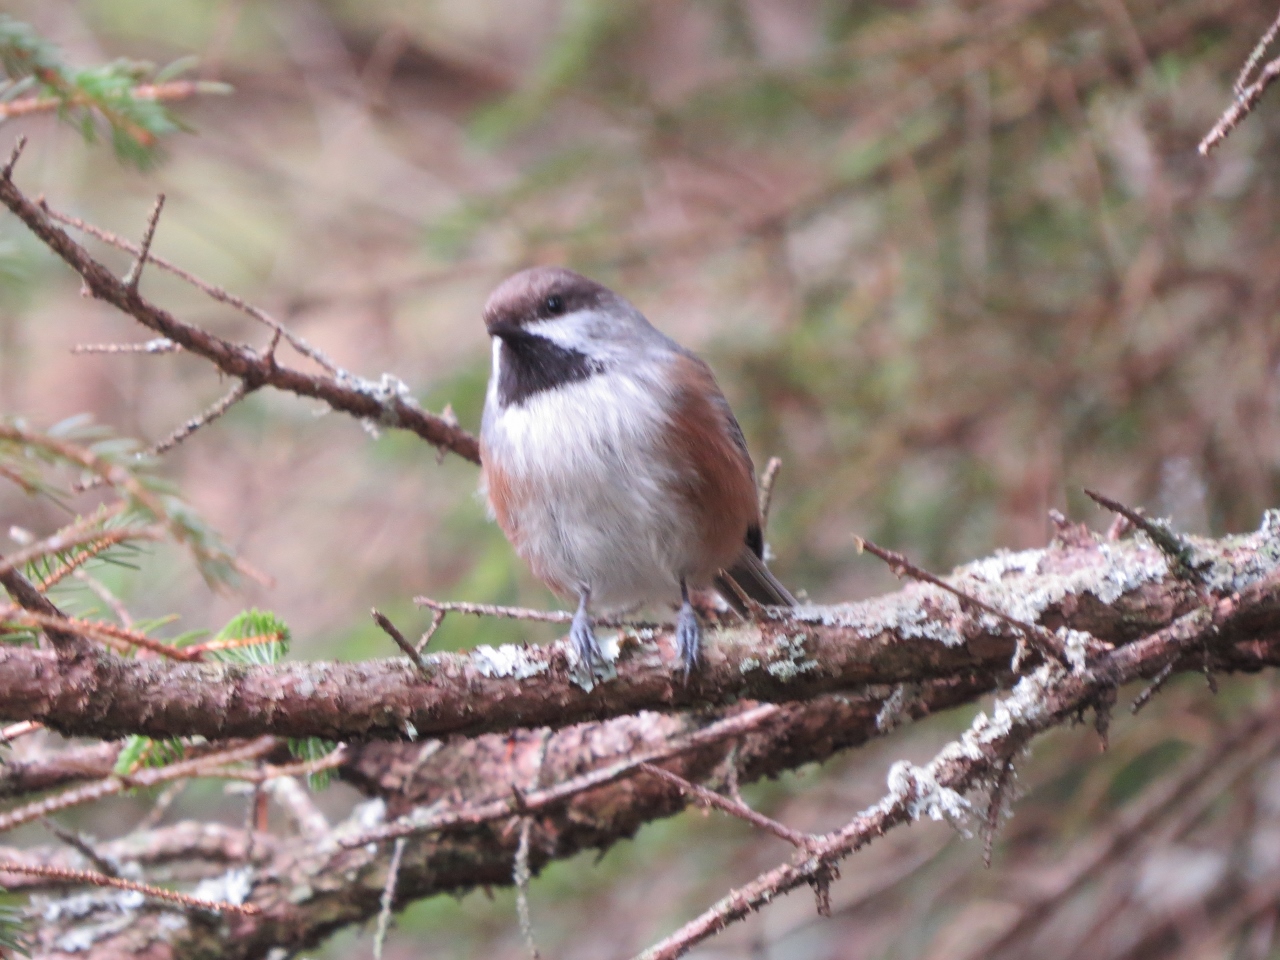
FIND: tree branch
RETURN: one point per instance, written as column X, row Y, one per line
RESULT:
column 387, row 403
column 1114, row 592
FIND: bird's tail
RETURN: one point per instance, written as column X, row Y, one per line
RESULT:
column 752, row 577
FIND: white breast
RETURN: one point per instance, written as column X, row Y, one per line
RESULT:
column 596, row 505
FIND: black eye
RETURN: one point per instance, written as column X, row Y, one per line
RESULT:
column 554, row 304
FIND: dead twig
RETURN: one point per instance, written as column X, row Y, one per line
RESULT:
column 207, row 765
column 82, row 845
column 437, row 618
column 767, row 479
column 1247, row 94
column 410, row 651
column 387, row 402
column 156, row 345
column 213, row 291
column 732, row 807
column 1042, row 639
column 102, row 880
column 525, row 613
column 134, row 276
column 535, row 800
column 1170, row 543
column 388, row 898
column 520, row 876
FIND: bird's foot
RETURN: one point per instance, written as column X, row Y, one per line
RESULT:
column 688, row 637
column 582, row 633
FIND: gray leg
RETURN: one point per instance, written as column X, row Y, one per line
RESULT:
column 688, row 632
column 583, row 634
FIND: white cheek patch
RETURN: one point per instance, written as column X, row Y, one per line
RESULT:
column 570, row 331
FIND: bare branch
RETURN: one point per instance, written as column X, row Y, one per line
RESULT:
column 386, row 403
column 1247, row 97
column 134, row 276
column 1162, row 535
column 734, row 808
column 409, row 649
column 1039, row 636
column 102, row 880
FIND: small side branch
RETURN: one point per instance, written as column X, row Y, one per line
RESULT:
column 1173, row 546
column 102, row 880
column 388, row 899
column 732, row 807
column 1247, row 94
column 1037, row 635
column 393, row 632
column 134, row 276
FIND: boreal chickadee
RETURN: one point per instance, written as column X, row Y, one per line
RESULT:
column 612, row 461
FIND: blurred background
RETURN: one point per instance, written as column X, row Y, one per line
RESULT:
column 951, row 261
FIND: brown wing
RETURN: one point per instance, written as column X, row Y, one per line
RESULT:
column 717, row 480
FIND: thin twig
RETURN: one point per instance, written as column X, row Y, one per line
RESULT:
column 410, row 651
column 232, row 397
column 81, row 844
column 1170, row 543
column 211, row 290
column 1240, row 87
column 158, row 809
column 155, row 345
column 114, row 603
column 134, row 276
column 65, row 540
column 535, row 800
column 526, row 613
column 102, row 880
column 295, row 800
column 387, row 401
column 732, row 807
column 7, row 172
column 1037, row 635
column 207, row 765
column 1243, row 105
column 121, row 638
column 388, row 898
column 520, row 876
column 1151, row 689
column 767, row 479
column 437, row 618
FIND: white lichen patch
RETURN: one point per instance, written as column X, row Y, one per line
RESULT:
column 893, row 708
column 999, row 565
column 81, row 905
column 84, row 938
column 1029, row 592
column 918, row 787
column 1252, row 557
column 234, row 886
column 1075, row 644
column 510, row 661
column 920, row 611
column 792, row 659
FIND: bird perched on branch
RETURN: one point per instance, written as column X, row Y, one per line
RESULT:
column 612, row 461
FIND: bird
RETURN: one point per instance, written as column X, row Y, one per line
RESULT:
column 612, row 462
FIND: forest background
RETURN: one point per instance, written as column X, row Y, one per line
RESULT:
column 952, row 263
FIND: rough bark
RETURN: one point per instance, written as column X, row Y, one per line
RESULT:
column 912, row 652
